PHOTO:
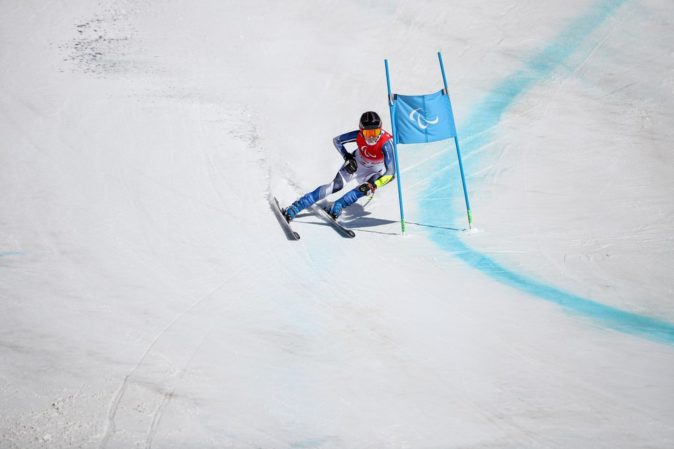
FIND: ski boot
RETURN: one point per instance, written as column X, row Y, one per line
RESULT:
column 335, row 210
column 290, row 212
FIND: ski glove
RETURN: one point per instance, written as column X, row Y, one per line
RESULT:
column 367, row 188
column 350, row 165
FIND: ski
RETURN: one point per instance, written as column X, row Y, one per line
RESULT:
column 290, row 233
column 345, row 232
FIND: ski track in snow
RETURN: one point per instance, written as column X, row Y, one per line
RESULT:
column 165, row 396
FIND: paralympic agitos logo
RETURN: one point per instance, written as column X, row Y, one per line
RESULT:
column 422, row 122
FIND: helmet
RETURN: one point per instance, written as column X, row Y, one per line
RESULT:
column 370, row 127
column 369, row 120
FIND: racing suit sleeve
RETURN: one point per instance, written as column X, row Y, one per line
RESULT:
column 342, row 139
column 389, row 162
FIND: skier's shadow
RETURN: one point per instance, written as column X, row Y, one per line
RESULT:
column 356, row 216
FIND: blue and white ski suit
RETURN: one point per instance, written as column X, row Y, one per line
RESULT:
column 375, row 166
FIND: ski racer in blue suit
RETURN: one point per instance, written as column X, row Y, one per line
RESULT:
column 371, row 165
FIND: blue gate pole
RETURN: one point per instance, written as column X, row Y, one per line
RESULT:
column 456, row 142
column 395, row 146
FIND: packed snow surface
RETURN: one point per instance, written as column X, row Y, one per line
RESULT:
column 149, row 298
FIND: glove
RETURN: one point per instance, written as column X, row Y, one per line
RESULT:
column 367, row 188
column 350, row 165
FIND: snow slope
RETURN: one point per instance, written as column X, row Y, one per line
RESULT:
column 149, row 298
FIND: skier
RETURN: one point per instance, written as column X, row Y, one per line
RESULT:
column 371, row 165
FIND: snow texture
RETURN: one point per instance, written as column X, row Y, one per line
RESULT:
column 149, row 298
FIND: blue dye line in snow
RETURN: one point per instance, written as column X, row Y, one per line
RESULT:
column 10, row 254
column 479, row 131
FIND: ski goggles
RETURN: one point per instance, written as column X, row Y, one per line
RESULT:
column 371, row 133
